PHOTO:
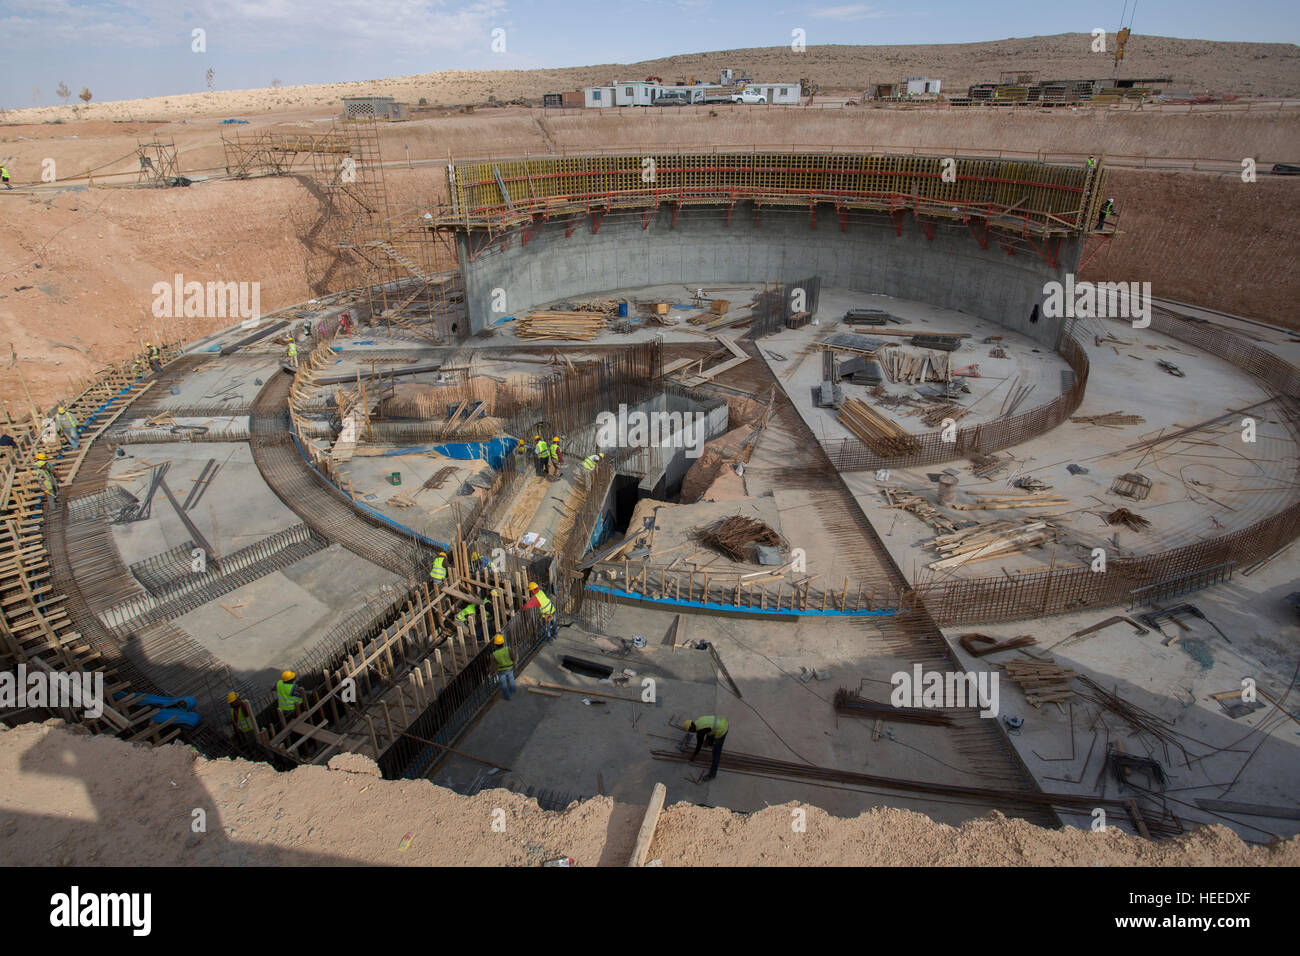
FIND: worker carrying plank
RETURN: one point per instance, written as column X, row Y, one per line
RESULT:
column 546, row 606
column 505, row 666
column 542, row 449
column 714, row 730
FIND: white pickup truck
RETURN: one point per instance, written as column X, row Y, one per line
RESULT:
column 748, row 96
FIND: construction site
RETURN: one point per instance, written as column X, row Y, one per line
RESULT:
column 884, row 462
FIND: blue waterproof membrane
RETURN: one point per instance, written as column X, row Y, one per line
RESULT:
column 180, row 718
column 604, row 528
column 504, row 318
column 493, row 451
column 213, row 348
column 734, row 608
column 153, row 700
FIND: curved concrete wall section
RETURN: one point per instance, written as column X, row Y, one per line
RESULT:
column 950, row 271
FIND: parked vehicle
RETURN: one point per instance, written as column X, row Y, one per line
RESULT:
column 749, row 97
column 672, row 98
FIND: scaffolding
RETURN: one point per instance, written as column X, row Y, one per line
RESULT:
column 158, row 165
column 1030, row 200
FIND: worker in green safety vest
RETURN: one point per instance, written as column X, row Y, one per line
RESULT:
column 714, row 730
column 439, row 571
column 241, row 715
column 293, row 353
column 542, row 449
column 469, row 616
column 45, row 472
column 545, row 605
column 557, row 456
column 67, row 423
column 154, row 357
column 590, row 461
column 521, row 455
column 286, row 693
column 505, row 666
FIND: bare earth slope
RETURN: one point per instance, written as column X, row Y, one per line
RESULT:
column 71, row 799
column 1252, row 69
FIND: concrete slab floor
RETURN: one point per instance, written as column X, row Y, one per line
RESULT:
column 269, row 624
column 779, row 716
column 236, row 510
column 433, row 514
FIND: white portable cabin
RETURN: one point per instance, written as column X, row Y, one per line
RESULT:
column 920, row 85
column 597, row 96
column 635, row 93
column 779, row 93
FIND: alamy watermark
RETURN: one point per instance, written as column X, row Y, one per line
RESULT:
column 652, row 430
column 1102, row 300
column 53, row 689
column 945, row 689
column 214, row 300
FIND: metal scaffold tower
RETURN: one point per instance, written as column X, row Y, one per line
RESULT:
column 158, row 165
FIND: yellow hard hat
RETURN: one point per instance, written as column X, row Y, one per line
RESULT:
column 496, row 592
column 498, row 640
column 40, row 456
column 231, row 697
column 556, row 438
column 442, row 554
column 62, row 409
column 288, row 675
column 689, row 725
column 537, row 438
column 532, row 585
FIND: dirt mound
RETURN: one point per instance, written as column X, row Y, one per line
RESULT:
column 73, row 799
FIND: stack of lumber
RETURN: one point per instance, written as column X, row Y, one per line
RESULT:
column 982, row 466
column 991, row 539
column 1114, row 419
column 880, row 432
column 912, row 368
column 546, row 324
column 1042, row 681
column 911, row 502
column 935, row 415
column 990, row 501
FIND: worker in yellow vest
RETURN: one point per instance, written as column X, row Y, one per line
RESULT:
column 4, row 177
column 714, row 730
column 546, row 606
column 45, row 472
column 154, row 356
column 505, row 666
column 439, row 570
column 241, row 715
column 67, row 423
column 543, row 451
column 286, row 693
column 521, row 455
column 469, row 616
column 591, row 461
column 557, row 456
column 293, row 353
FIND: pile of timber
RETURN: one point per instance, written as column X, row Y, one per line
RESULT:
column 547, row 324
column 880, row 432
column 737, row 536
column 1043, row 682
column 990, row 501
column 991, row 539
column 982, row 466
column 911, row 368
column 913, row 503
column 936, row 415
column 1114, row 419
column 1130, row 520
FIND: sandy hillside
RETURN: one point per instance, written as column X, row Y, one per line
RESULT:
column 1250, row 69
column 71, row 799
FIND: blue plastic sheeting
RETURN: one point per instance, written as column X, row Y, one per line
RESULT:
column 504, row 318
column 493, row 451
column 153, row 700
column 734, row 608
column 213, row 348
column 604, row 527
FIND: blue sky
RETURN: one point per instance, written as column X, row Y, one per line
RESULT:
column 131, row 48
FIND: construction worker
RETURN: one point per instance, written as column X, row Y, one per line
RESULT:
column 1107, row 210
column 589, row 463
column 293, row 353
column 439, row 570
column 67, row 423
column 557, row 456
column 505, row 666
column 546, row 606
column 543, row 452
column 154, row 356
column 4, row 177
column 714, row 730
column 469, row 616
column 521, row 455
column 286, row 693
column 241, row 715
column 45, row 472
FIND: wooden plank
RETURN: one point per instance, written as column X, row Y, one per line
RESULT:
column 646, row 835
column 1248, row 809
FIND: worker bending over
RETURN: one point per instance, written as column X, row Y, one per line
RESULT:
column 505, row 666
column 714, row 730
